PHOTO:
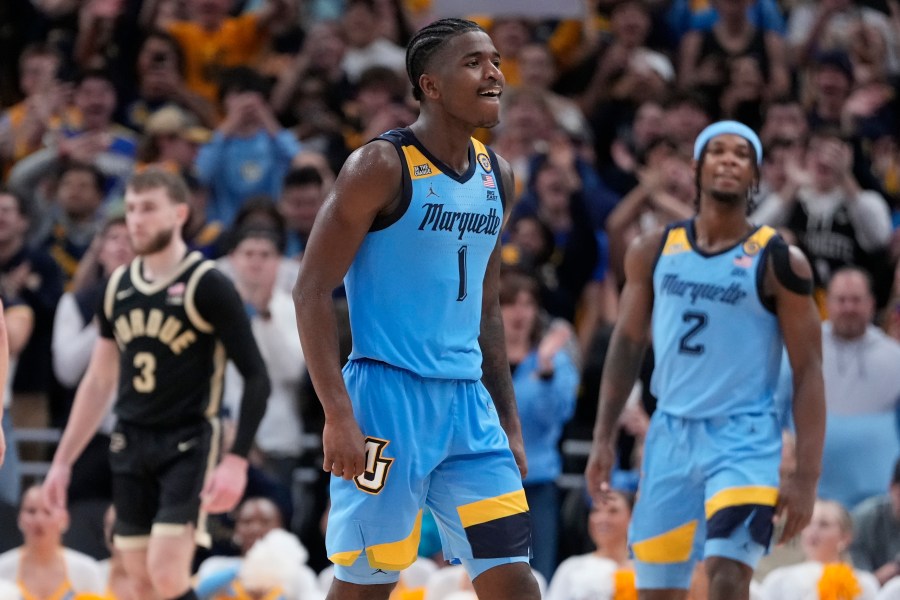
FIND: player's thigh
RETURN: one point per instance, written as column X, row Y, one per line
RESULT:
column 476, row 493
column 375, row 519
column 512, row 581
column 742, row 487
column 668, row 523
column 135, row 492
column 189, row 455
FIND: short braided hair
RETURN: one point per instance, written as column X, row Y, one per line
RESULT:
column 427, row 41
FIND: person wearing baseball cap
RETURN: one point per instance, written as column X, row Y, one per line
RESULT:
column 173, row 137
column 720, row 298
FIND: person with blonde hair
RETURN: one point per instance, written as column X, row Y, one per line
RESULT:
column 826, row 573
column 42, row 567
column 607, row 572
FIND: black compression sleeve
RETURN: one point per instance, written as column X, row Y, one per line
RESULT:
column 221, row 306
column 781, row 262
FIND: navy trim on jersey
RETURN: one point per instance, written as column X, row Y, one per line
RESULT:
column 768, row 302
column 396, row 139
column 411, row 139
column 693, row 240
column 781, row 261
column 664, row 239
column 495, row 166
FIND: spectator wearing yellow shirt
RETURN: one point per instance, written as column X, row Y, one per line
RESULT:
column 211, row 40
column 23, row 125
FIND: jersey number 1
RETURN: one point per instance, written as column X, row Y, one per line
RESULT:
column 461, row 258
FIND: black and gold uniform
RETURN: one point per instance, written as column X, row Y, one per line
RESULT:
column 174, row 336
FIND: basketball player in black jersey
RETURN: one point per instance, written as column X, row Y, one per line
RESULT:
column 167, row 323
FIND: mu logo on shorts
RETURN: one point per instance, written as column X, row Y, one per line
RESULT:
column 377, row 467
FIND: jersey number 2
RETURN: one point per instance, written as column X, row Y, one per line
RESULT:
column 697, row 321
column 145, row 381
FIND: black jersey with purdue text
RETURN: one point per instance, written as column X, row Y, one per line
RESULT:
column 170, row 338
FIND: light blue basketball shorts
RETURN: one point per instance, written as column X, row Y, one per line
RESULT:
column 434, row 442
column 708, row 488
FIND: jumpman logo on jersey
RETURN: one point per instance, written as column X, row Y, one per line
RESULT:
column 431, row 192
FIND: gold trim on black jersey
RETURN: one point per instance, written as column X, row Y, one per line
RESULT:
column 148, row 288
column 112, row 286
column 217, row 381
column 190, row 306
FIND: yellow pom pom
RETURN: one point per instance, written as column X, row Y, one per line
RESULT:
column 838, row 582
column 624, row 587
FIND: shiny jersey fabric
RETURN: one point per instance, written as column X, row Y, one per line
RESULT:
column 717, row 347
column 415, row 286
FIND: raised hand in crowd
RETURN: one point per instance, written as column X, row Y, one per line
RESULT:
column 85, row 147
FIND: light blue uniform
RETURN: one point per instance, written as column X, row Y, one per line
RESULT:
column 709, row 479
column 433, row 435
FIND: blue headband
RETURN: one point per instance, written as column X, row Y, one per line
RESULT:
column 724, row 127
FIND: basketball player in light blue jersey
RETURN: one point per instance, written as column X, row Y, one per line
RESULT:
column 423, row 413
column 719, row 298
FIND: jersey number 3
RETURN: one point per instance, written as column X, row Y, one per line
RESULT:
column 145, row 381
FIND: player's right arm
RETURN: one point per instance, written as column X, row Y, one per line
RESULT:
column 789, row 281
column 90, row 406
column 368, row 184
column 623, row 360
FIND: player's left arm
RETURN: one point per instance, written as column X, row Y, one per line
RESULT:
column 496, row 375
column 789, row 279
column 220, row 305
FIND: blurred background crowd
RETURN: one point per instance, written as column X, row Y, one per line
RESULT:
column 257, row 103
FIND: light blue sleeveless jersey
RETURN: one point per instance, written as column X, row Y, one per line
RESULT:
column 415, row 286
column 717, row 347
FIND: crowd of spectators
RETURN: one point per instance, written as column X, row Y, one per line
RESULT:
column 258, row 102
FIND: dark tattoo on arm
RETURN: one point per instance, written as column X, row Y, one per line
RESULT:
column 496, row 376
column 620, row 371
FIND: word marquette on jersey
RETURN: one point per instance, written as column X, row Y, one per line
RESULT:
column 464, row 222
column 673, row 285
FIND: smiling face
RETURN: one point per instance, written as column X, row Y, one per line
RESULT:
column 828, row 533
column 727, row 169
column 464, row 77
column 608, row 522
